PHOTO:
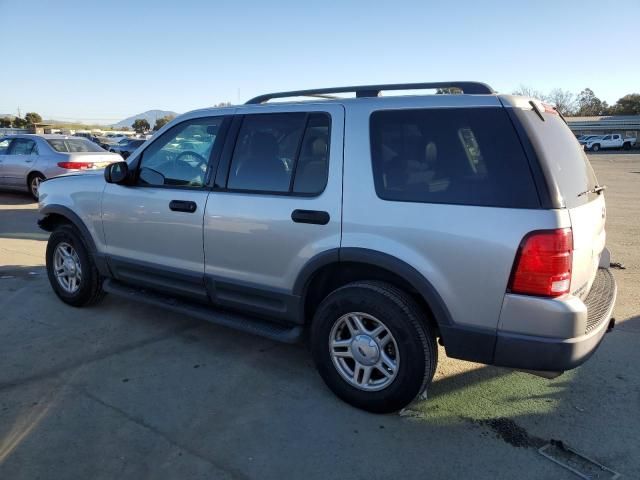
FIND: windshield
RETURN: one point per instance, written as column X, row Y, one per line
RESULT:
column 73, row 145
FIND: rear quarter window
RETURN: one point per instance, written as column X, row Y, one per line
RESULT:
column 463, row 156
column 563, row 156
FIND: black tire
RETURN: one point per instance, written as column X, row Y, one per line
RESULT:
column 626, row 146
column 90, row 289
column 33, row 189
column 406, row 321
column 595, row 148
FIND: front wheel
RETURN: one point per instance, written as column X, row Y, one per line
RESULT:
column 595, row 148
column 70, row 268
column 373, row 346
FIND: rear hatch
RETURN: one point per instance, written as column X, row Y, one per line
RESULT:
column 572, row 181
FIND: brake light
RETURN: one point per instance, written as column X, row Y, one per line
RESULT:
column 543, row 264
column 76, row 165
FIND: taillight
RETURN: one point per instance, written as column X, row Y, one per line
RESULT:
column 76, row 165
column 543, row 264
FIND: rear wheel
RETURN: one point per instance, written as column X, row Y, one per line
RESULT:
column 626, row 146
column 70, row 268
column 373, row 347
column 35, row 179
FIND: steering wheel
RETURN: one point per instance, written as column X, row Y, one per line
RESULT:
column 189, row 154
column 188, row 158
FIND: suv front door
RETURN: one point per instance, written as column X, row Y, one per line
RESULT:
column 276, row 206
column 153, row 228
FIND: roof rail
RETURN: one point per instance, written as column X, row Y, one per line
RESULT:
column 374, row 90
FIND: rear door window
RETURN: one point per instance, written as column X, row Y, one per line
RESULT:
column 23, row 146
column 281, row 153
column 465, row 156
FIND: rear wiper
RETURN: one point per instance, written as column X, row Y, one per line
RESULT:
column 597, row 189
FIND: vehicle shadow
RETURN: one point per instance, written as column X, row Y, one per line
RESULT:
column 19, row 220
column 9, row 197
column 21, row 271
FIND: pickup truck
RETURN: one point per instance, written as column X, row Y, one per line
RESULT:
column 609, row 141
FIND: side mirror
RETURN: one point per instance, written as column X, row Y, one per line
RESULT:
column 117, row 172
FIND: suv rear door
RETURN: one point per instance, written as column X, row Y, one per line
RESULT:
column 276, row 205
column 569, row 172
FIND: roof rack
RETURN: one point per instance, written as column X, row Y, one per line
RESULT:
column 374, row 90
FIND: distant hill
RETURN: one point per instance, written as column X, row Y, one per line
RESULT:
column 150, row 116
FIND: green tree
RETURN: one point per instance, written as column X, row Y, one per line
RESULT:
column 19, row 122
column 627, row 105
column 141, row 125
column 32, row 118
column 162, row 121
column 5, row 122
column 590, row 105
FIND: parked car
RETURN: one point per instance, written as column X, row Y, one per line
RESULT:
column 373, row 226
column 609, row 142
column 27, row 160
column 112, row 145
column 582, row 139
column 126, row 149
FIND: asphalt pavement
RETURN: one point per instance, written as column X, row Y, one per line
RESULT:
column 127, row 391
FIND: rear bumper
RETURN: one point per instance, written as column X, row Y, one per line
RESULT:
column 539, row 333
column 532, row 352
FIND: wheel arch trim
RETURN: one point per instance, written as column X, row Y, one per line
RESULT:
column 377, row 259
column 77, row 222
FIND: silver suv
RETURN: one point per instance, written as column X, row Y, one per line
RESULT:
column 374, row 226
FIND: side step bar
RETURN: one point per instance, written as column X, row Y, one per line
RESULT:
column 255, row 326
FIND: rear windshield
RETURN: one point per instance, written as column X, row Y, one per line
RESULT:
column 564, row 157
column 73, row 145
column 466, row 156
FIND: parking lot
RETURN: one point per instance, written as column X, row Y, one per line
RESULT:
column 122, row 390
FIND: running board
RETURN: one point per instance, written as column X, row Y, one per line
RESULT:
column 253, row 325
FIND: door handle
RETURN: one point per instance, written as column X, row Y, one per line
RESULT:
column 316, row 217
column 183, row 206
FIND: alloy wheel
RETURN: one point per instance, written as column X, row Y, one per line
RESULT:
column 363, row 351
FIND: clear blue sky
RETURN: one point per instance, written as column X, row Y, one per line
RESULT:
column 105, row 60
